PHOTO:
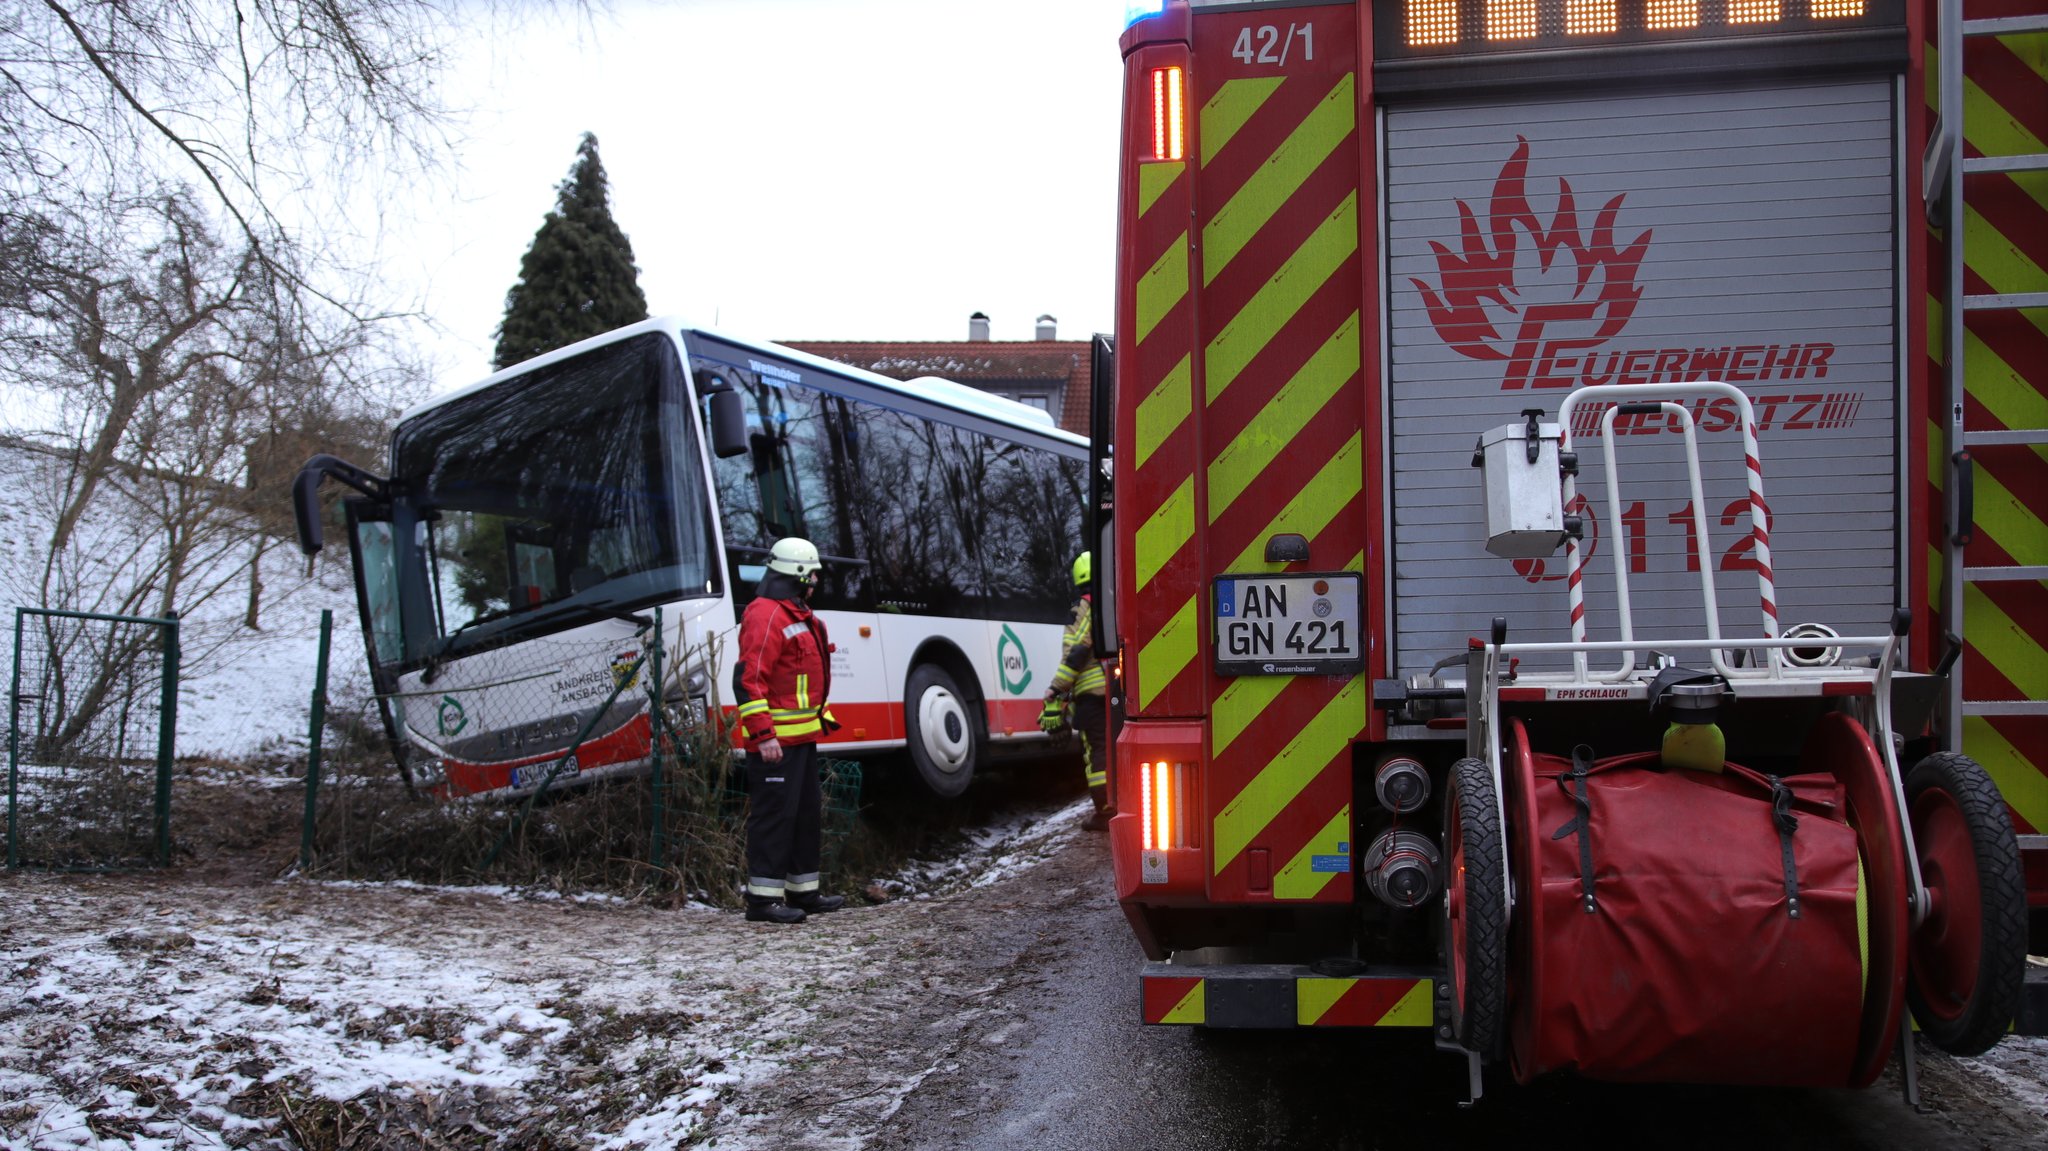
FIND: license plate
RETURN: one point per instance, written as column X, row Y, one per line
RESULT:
column 533, row 774
column 1289, row 625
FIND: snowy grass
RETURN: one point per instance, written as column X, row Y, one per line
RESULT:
column 143, row 1013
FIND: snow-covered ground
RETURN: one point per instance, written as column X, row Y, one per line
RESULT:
column 165, row 1011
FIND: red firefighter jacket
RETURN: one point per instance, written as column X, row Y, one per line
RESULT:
column 785, row 672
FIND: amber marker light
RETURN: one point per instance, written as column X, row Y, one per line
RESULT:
column 1169, row 114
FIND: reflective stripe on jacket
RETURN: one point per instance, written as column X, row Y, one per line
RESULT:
column 1079, row 670
column 785, row 672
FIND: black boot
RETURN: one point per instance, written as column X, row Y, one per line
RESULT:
column 768, row 911
column 816, row 903
column 1098, row 820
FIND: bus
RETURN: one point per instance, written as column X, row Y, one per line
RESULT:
column 1716, row 247
column 509, row 562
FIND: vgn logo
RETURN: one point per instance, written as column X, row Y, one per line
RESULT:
column 451, row 717
column 1013, row 667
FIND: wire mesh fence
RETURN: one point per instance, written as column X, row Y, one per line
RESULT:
column 586, row 764
column 93, row 717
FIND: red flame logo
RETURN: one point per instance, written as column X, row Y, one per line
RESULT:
column 1493, row 285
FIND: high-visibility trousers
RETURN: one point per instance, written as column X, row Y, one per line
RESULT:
column 785, row 823
column 1091, row 721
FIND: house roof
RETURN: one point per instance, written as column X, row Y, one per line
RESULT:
column 982, row 363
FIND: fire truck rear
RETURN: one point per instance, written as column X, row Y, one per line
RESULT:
column 1577, row 526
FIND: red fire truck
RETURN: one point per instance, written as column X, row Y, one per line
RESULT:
column 1579, row 576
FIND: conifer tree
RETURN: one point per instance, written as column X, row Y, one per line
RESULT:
column 578, row 278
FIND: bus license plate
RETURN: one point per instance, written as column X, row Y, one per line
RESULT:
column 1289, row 625
column 534, row 774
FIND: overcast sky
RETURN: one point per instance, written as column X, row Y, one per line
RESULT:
column 798, row 169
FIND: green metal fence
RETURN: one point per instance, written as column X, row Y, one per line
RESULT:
column 93, row 710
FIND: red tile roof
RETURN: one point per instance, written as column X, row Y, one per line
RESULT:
column 981, row 363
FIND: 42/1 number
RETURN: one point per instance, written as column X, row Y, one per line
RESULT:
column 1271, row 44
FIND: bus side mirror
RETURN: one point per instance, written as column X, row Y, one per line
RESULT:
column 306, row 509
column 306, row 494
column 728, row 425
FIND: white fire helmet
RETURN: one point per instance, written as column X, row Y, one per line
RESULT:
column 794, row 556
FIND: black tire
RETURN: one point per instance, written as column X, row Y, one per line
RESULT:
column 1475, row 926
column 947, row 736
column 1968, row 957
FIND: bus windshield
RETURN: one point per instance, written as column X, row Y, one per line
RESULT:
column 569, row 494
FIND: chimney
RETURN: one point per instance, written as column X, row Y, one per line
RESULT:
column 1048, row 328
column 977, row 326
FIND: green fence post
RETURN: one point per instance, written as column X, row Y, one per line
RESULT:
column 654, row 749
column 318, row 724
column 14, row 741
column 166, row 740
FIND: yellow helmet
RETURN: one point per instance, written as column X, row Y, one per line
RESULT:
column 794, row 556
column 1083, row 572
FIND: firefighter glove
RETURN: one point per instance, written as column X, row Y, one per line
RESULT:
column 1054, row 717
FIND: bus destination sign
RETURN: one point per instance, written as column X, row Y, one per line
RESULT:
column 1297, row 624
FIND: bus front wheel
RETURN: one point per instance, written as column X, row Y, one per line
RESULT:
column 944, row 735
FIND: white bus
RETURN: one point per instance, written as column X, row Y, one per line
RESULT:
column 508, row 564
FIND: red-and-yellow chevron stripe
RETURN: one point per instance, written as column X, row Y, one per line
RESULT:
column 1317, row 1001
column 2005, row 250
column 1284, row 328
column 1156, row 494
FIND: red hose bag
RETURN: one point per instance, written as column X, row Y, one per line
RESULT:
column 1695, row 959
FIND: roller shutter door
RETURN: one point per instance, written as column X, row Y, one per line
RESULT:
column 1745, row 234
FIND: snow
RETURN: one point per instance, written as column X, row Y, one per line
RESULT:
column 201, row 998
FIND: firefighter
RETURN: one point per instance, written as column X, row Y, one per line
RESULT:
column 784, row 675
column 1081, row 684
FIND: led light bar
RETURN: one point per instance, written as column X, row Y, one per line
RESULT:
column 1409, row 28
column 1163, row 802
column 1169, row 114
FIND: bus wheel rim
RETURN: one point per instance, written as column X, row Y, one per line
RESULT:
column 942, row 726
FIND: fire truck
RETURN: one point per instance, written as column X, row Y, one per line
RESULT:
column 1574, row 488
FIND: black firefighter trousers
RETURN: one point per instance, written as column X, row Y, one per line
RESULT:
column 785, row 824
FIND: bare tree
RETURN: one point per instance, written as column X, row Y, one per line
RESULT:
column 168, row 353
column 253, row 104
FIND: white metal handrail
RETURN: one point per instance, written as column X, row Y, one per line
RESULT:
column 1759, row 514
